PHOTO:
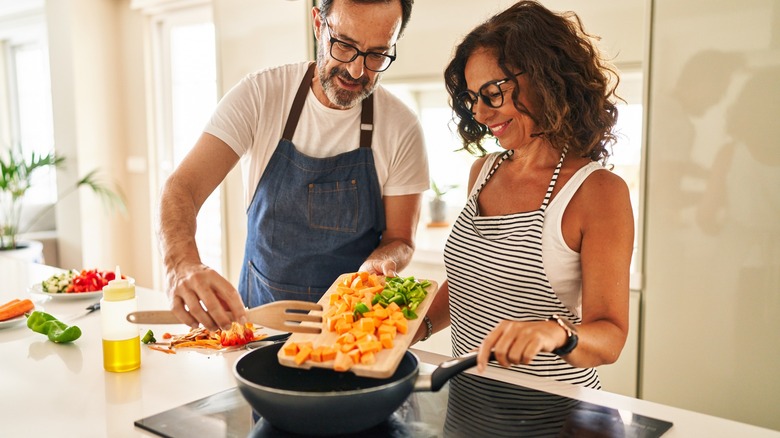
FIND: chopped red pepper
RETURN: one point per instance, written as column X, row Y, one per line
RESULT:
column 90, row 280
column 237, row 335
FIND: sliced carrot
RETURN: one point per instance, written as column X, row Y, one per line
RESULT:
column 164, row 350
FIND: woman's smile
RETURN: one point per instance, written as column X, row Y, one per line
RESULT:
column 499, row 128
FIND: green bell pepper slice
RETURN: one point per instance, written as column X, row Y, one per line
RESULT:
column 56, row 330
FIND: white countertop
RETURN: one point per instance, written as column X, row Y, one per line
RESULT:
column 62, row 390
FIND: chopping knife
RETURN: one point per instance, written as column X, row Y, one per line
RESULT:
column 89, row 309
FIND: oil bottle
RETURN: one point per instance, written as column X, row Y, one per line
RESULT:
column 121, row 341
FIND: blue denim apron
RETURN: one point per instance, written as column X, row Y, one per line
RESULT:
column 311, row 219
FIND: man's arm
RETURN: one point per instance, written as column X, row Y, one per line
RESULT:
column 395, row 251
column 190, row 283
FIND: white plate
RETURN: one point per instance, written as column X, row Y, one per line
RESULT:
column 37, row 289
column 8, row 323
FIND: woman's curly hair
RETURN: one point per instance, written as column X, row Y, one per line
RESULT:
column 568, row 77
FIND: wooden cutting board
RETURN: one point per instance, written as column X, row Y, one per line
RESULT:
column 387, row 360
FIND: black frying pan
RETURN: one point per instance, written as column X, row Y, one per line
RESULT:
column 319, row 401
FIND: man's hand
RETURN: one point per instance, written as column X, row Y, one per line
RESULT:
column 379, row 267
column 199, row 295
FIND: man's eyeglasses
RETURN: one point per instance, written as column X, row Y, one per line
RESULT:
column 345, row 52
column 491, row 94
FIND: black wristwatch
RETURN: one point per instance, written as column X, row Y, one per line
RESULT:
column 571, row 332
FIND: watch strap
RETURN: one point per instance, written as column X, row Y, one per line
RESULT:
column 571, row 332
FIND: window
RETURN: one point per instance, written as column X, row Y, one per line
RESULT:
column 26, row 122
column 185, row 96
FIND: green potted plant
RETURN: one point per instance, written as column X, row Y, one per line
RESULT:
column 16, row 178
column 437, row 205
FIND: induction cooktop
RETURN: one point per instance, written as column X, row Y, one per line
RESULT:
column 467, row 406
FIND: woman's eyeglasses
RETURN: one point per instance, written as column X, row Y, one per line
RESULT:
column 345, row 52
column 491, row 94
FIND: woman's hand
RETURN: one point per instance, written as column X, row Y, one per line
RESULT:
column 518, row 342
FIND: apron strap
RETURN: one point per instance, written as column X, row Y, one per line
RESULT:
column 297, row 106
column 367, row 121
column 366, row 114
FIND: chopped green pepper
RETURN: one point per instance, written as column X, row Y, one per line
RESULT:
column 56, row 330
column 360, row 309
column 149, row 338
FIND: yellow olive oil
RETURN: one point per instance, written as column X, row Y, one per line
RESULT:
column 121, row 356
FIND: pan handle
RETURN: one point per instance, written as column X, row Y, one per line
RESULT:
column 447, row 370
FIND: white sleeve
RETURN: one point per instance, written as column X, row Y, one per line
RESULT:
column 235, row 119
column 408, row 171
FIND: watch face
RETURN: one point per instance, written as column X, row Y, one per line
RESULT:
column 569, row 325
column 566, row 324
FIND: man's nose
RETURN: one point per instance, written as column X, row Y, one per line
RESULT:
column 356, row 67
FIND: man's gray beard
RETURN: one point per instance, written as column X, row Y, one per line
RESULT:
column 339, row 96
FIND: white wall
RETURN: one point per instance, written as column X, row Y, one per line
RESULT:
column 437, row 25
column 712, row 242
column 89, row 125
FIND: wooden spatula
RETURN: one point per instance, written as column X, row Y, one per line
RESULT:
column 280, row 315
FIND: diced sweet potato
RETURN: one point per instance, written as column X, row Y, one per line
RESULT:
column 303, row 355
column 316, row 354
column 290, row 349
column 387, row 340
column 366, row 325
column 401, row 325
column 328, row 354
column 386, row 329
column 367, row 358
column 346, row 338
column 342, row 362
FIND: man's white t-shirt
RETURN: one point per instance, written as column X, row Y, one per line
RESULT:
column 250, row 118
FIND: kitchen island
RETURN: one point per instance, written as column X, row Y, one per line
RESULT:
column 49, row 389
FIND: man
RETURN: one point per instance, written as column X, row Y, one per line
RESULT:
column 334, row 168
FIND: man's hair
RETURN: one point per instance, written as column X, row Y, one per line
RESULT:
column 406, row 8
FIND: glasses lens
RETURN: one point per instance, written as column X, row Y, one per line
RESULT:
column 343, row 52
column 377, row 61
column 466, row 100
column 492, row 95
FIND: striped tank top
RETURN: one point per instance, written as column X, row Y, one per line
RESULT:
column 496, row 272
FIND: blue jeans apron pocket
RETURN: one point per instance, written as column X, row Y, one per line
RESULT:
column 261, row 290
column 334, row 205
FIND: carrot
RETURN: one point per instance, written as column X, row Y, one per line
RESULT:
column 14, row 309
column 164, row 350
column 15, row 300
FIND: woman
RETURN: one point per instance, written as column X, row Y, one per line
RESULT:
column 538, row 260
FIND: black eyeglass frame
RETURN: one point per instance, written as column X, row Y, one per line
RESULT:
column 358, row 52
column 480, row 95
